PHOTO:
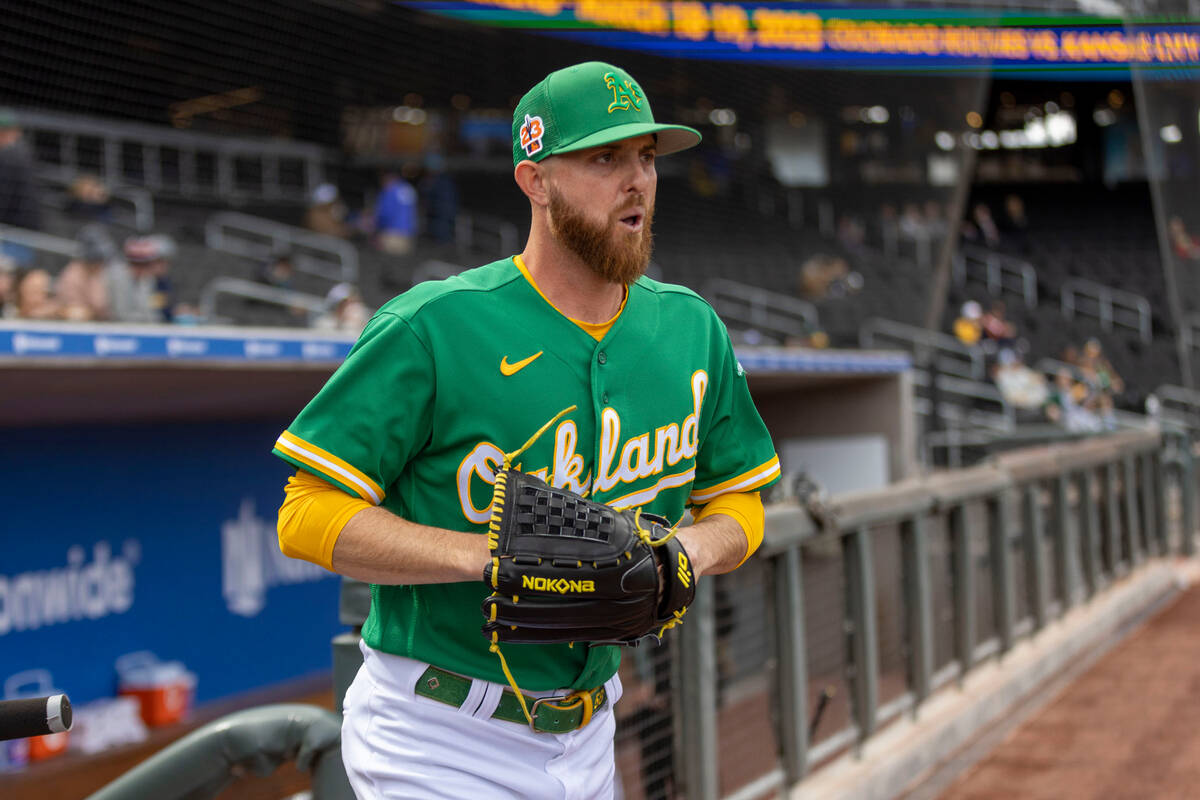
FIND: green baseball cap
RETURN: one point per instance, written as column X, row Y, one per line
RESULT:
column 584, row 106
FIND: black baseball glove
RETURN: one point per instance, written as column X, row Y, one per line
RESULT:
column 567, row 569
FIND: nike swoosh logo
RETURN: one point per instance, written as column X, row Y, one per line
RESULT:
column 513, row 369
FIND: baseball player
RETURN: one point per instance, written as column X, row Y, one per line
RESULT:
column 435, row 427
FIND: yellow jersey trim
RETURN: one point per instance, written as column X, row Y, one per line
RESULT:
column 312, row 516
column 326, row 463
column 746, row 509
column 747, row 481
column 597, row 330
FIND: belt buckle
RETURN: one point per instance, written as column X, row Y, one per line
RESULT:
column 583, row 696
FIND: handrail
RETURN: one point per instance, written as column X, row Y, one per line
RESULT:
column 315, row 253
column 955, row 358
column 468, row 226
column 36, row 240
column 1001, row 273
column 771, row 313
column 1113, row 306
column 1068, row 556
column 207, row 760
column 186, row 148
column 238, row 287
column 997, row 413
column 1180, row 404
column 1187, row 331
column 139, row 215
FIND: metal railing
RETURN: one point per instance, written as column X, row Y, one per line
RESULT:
column 1180, row 406
column 1188, row 339
column 772, row 314
column 963, row 402
column 479, row 231
column 39, row 242
column 254, row 237
column 930, row 578
column 249, row 290
column 1001, row 274
column 131, row 206
column 952, row 356
column 1113, row 307
column 165, row 160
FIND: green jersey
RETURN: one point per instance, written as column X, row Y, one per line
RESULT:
column 452, row 374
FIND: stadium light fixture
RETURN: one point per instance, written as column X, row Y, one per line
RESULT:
column 1171, row 134
column 989, row 140
column 1012, row 140
column 722, row 116
column 1060, row 129
column 878, row 115
column 944, row 140
column 1104, row 117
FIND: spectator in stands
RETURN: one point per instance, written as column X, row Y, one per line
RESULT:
column 1014, row 213
column 396, row 215
column 912, row 224
column 82, row 286
column 8, row 288
column 1097, row 372
column 1183, row 243
column 34, row 299
column 996, row 327
column 968, row 328
column 439, row 198
column 823, row 276
column 89, row 199
column 344, row 311
column 989, row 233
column 20, row 204
column 136, row 286
column 327, row 213
column 851, row 234
column 1021, row 387
column 279, row 271
column 935, row 221
column 1063, row 404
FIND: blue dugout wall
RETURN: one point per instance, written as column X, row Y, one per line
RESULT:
column 120, row 535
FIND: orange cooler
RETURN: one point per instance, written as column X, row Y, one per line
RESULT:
column 164, row 689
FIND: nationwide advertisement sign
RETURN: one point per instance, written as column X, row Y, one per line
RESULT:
column 159, row 538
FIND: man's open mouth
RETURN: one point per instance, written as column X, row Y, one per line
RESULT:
column 633, row 221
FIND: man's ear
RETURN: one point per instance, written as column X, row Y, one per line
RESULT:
column 532, row 177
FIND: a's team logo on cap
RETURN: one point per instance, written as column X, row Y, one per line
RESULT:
column 531, row 134
column 625, row 94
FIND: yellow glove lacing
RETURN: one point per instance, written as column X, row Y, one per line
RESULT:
column 498, row 495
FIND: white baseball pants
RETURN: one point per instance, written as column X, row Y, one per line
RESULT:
column 397, row 744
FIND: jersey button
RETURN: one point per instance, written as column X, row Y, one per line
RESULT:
column 602, row 357
column 604, row 398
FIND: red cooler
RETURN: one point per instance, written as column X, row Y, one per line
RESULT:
column 164, row 689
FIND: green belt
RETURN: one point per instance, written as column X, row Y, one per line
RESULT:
column 550, row 714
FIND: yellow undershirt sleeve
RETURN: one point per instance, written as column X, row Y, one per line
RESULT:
column 746, row 508
column 312, row 516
